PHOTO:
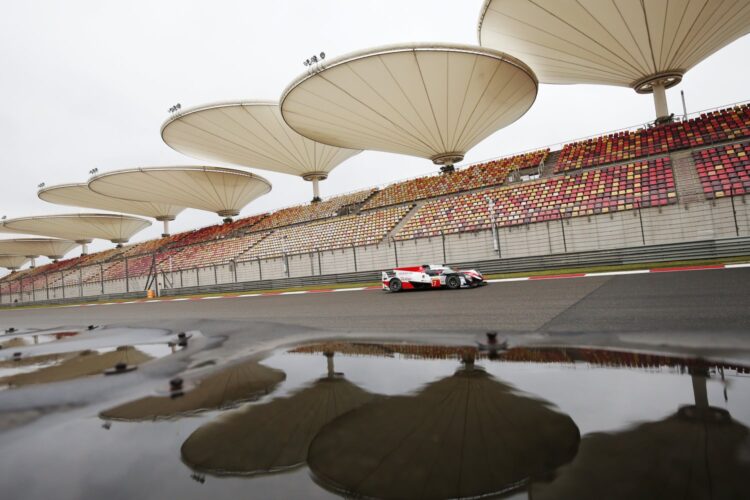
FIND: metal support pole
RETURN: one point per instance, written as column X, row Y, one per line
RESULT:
column 260, row 270
column 197, row 276
column 497, row 237
column 127, row 276
column 640, row 218
column 562, row 227
column 80, row 281
column 354, row 252
column 286, row 265
column 445, row 255
column 46, row 283
column 216, row 276
column 62, row 280
column 395, row 251
column 320, row 264
column 734, row 211
column 234, row 268
column 20, row 287
column 101, row 274
column 312, row 265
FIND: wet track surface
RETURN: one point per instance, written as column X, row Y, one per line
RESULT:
column 715, row 300
column 298, row 396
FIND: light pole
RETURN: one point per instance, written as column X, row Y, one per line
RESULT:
column 493, row 219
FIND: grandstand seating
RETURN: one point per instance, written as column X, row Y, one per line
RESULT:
column 311, row 211
column 363, row 229
column 208, row 254
column 622, row 187
column 708, row 128
column 492, row 173
column 219, row 231
column 724, row 170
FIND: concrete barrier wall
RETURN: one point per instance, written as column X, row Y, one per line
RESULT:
column 697, row 221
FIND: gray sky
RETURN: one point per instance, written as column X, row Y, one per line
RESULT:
column 88, row 83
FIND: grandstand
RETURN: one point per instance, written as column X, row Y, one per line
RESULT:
column 724, row 170
column 613, row 173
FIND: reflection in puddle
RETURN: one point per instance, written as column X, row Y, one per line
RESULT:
column 464, row 436
column 275, row 435
column 409, row 421
column 76, row 365
column 241, row 382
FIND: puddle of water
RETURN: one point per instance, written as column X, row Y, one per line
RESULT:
column 389, row 422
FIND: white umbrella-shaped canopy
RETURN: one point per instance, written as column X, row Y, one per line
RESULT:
column 12, row 262
column 224, row 191
column 434, row 101
column 251, row 134
column 81, row 228
column 644, row 44
column 79, row 195
column 33, row 247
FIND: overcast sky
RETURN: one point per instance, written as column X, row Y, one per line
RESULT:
column 87, row 84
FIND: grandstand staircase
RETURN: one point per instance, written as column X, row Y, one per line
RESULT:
column 548, row 170
column 404, row 220
column 689, row 188
column 239, row 257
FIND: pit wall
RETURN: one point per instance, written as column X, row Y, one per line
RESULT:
column 700, row 221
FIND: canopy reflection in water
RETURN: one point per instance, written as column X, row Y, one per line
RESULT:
column 77, row 365
column 464, row 436
column 699, row 452
column 272, row 436
column 238, row 383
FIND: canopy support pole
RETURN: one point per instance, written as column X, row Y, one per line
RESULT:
column 165, row 232
column 316, row 189
column 660, row 100
column 84, row 249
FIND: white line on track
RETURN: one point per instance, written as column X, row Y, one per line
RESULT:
column 505, row 280
column 357, row 289
column 618, row 273
column 734, row 266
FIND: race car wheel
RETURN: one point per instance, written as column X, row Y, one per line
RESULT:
column 453, row 282
column 395, row 285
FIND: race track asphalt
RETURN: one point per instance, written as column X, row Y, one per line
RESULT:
column 695, row 301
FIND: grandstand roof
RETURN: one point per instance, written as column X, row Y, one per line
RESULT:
column 12, row 262
column 252, row 134
column 434, row 101
column 79, row 195
column 222, row 190
column 80, row 227
column 28, row 247
column 632, row 43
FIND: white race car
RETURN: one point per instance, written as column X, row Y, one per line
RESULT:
column 426, row 277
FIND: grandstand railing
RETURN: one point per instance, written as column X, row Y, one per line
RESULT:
column 718, row 219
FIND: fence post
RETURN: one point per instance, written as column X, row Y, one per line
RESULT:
column 286, row 265
column 354, row 252
column 234, row 269
column 197, row 276
column 395, row 250
column 640, row 218
column 127, row 277
column 562, row 227
column 101, row 273
column 734, row 210
column 80, row 280
column 62, row 280
column 320, row 263
column 260, row 271
column 46, row 283
column 312, row 265
column 216, row 275
column 445, row 255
